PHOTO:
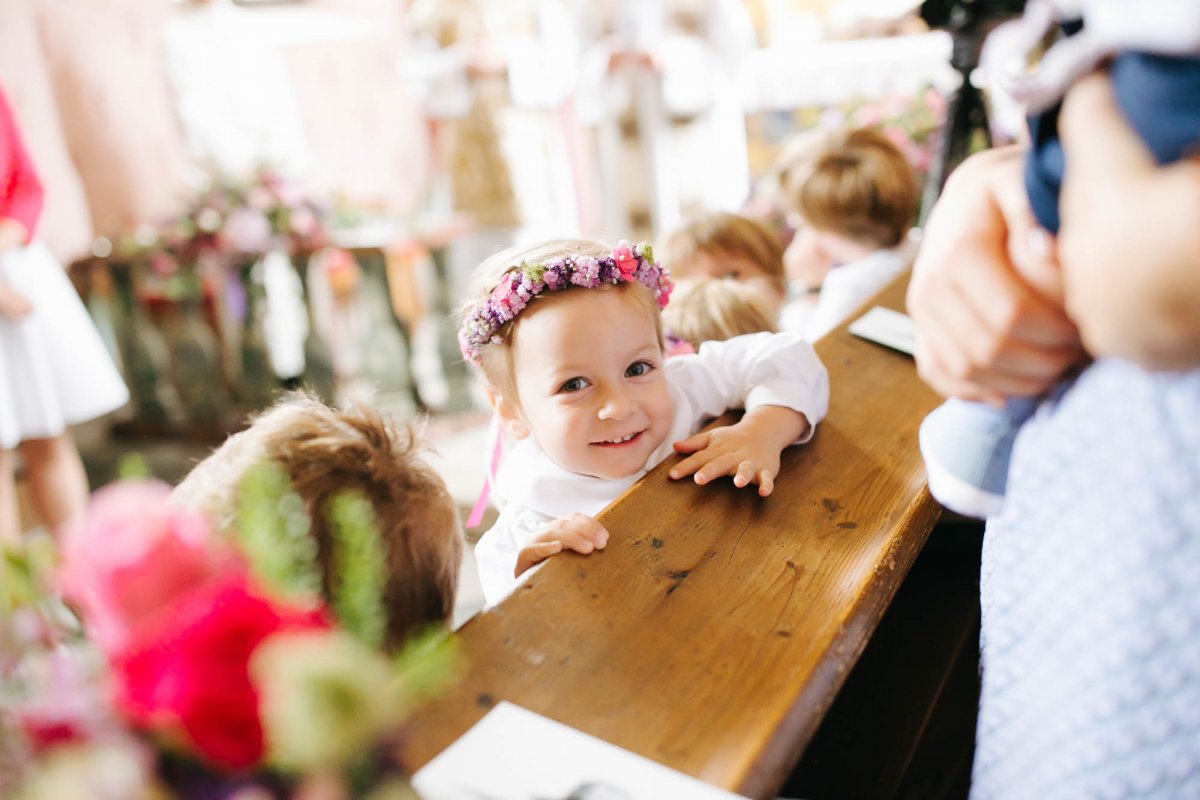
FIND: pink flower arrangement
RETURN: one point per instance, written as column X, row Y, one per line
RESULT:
column 193, row 672
column 133, row 557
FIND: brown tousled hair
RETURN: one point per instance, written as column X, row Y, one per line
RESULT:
column 325, row 452
column 859, row 186
column 721, row 233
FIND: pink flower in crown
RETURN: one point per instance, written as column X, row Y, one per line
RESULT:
column 504, row 295
column 627, row 262
column 665, row 287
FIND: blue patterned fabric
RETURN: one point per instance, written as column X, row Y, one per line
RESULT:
column 1091, row 597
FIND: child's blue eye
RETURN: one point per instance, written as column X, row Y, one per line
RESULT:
column 573, row 385
column 638, row 368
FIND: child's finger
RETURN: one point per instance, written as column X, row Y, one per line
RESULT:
column 721, row 465
column 690, row 464
column 583, row 534
column 766, row 482
column 745, row 474
column 535, row 553
column 693, row 443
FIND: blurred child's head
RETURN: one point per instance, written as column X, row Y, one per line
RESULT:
column 326, row 452
column 568, row 335
column 859, row 186
column 715, row 309
column 724, row 245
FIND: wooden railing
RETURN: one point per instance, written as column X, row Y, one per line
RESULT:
column 717, row 627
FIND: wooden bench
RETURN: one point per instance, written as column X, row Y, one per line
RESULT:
column 717, row 627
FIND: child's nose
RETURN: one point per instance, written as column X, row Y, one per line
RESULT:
column 616, row 405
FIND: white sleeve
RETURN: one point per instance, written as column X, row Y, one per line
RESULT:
column 496, row 551
column 760, row 369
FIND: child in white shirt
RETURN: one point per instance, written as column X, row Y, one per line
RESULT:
column 569, row 338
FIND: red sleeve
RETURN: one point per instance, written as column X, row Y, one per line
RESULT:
column 20, row 189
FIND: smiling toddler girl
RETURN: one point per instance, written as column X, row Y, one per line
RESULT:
column 568, row 336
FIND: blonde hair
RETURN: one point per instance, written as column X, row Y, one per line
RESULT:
column 721, row 233
column 859, row 186
column 715, row 309
column 325, row 452
column 497, row 358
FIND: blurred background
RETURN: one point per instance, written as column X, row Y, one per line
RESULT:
column 264, row 194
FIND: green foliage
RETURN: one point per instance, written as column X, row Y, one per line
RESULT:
column 359, row 562
column 273, row 529
column 133, row 466
column 428, row 665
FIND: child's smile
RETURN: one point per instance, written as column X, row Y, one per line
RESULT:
column 590, row 383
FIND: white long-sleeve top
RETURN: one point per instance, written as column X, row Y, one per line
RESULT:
column 844, row 290
column 762, row 369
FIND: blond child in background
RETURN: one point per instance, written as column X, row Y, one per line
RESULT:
column 856, row 201
column 326, row 452
column 721, row 244
column 714, row 309
column 568, row 336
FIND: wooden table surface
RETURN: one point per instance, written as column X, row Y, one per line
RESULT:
column 716, row 628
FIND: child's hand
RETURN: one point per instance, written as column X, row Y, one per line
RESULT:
column 577, row 532
column 749, row 450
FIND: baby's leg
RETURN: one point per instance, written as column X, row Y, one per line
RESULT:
column 58, row 485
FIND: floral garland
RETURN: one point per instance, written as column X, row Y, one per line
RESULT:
column 161, row 658
column 482, row 323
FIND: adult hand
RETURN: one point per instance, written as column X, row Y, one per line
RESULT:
column 1130, row 237
column 577, row 532
column 986, row 295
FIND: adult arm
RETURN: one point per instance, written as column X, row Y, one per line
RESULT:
column 1130, row 237
column 986, row 293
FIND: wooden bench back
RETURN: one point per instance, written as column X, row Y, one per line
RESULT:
column 716, row 628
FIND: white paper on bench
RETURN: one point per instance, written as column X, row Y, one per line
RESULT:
column 886, row 327
column 515, row 754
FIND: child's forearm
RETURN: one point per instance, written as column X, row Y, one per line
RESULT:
column 778, row 425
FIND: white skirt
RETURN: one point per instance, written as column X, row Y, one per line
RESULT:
column 54, row 368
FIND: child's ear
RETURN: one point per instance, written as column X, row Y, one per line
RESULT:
column 508, row 414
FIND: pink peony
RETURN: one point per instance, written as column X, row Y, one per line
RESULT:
column 193, row 672
column 133, row 556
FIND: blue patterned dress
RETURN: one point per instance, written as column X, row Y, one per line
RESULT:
column 1091, row 597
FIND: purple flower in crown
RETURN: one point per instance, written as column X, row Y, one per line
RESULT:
column 555, row 277
column 627, row 262
column 586, row 272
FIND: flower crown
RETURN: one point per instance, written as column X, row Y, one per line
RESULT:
column 525, row 281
